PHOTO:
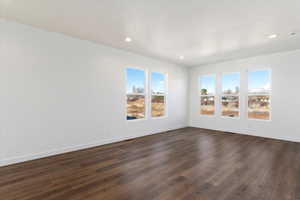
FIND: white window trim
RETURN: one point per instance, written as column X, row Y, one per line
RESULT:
column 213, row 95
column 230, row 95
column 164, row 95
column 145, row 94
column 260, row 94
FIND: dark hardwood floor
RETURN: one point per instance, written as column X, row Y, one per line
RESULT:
column 186, row 164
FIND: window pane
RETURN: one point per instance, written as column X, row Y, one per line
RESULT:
column 259, row 82
column 157, row 106
column 135, row 81
column 230, row 106
column 231, row 83
column 207, row 106
column 157, row 83
column 208, row 85
column 135, row 107
column 259, row 107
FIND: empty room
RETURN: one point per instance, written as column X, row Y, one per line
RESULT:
column 149, row 100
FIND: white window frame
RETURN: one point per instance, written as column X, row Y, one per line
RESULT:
column 165, row 95
column 214, row 95
column 145, row 94
column 230, row 95
column 260, row 94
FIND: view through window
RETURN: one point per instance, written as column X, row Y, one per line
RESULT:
column 158, row 95
column 259, row 89
column 230, row 95
column 207, row 94
column 135, row 94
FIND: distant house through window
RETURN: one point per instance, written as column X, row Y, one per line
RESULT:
column 259, row 90
column 230, row 100
column 207, row 94
column 158, row 94
column 136, row 94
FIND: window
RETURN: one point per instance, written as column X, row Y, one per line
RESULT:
column 207, row 94
column 136, row 95
column 158, row 94
column 230, row 95
column 259, row 90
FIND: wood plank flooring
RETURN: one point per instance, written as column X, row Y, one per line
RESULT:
column 185, row 164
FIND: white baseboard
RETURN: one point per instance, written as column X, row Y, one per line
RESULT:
column 249, row 133
column 19, row 159
column 29, row 157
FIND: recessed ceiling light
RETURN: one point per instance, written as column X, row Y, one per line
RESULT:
column 128, row 39
column 181, row 57
column 272, row 36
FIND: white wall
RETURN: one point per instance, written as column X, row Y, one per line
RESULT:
column 285, row 97
column 60, row 94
